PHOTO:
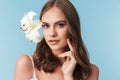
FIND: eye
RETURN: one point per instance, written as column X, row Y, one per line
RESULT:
column 60, row 25
column 45, row 26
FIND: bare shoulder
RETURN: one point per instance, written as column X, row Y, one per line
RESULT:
column 23, row 68
column 95, row 68
column 24, row 61
column 94, row 73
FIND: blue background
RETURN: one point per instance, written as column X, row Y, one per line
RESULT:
column 100, row 24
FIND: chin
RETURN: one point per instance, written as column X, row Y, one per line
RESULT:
column 55, row 47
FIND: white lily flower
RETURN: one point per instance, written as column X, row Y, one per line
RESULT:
column 30, row 27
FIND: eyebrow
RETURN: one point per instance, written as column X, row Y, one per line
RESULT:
column 56, row 22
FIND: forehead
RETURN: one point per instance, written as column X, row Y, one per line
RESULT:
column 52, row 15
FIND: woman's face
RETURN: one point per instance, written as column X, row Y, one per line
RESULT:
column 55, row 29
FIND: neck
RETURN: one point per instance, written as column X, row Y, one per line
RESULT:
column 57, row 52
column 60, row 51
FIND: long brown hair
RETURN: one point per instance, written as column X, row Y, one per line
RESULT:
column 43, row 56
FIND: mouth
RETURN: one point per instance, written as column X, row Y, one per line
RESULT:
column 53, row 42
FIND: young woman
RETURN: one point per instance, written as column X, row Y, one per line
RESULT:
column 61, row 54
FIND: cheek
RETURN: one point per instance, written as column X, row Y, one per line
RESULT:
column 45, row 34
column 64, row 34
column 44, row 31
column 64, row 40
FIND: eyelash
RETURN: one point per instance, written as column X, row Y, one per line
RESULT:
column 45, row 26
column 59, row 25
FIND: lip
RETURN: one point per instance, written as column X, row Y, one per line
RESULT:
column 53, row 42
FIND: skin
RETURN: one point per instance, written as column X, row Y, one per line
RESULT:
column 55, row 30
column 55, row 27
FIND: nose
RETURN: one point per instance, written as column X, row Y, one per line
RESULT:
column 53, row 32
